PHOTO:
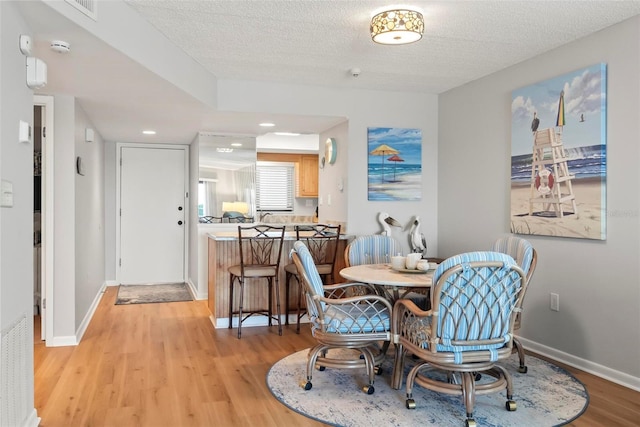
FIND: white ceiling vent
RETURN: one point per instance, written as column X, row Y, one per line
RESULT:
column 88, row 7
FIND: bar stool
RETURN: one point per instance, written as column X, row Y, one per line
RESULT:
column 260, row 251
column 322, row 242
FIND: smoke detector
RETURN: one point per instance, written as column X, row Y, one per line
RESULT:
column 60, row 46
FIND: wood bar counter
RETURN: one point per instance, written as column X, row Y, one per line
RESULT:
column 224, row 251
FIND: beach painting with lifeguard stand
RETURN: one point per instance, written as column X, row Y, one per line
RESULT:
column 394, row 164
column 558, row 156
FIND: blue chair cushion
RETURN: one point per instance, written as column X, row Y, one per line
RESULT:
column 356, row 320
column 373, row 249
column 472, row 307
column 519, row 249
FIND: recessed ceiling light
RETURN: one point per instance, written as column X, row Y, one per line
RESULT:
column 149, row 132
column 236, row 144
column 287, row 133
column 224, row 150
column 267, row 125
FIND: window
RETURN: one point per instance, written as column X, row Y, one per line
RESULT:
column 275, row 183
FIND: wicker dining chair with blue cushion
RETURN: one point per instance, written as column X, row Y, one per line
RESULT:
column 371, row 249
column 527, row 258
column 469, row 329
column 348, row 329
column 322, row 241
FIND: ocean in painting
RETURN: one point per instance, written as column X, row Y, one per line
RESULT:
column 583, row 162
column 387, row 184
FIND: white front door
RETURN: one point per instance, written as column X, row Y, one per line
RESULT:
column 152, row 215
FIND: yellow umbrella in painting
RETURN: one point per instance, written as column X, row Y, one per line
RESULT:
column 560, row 117
column 383, row 150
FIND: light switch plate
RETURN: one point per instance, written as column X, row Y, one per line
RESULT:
column 24, row 132
column 6, row 199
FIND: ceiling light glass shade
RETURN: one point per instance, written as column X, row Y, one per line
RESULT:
column 397, row 27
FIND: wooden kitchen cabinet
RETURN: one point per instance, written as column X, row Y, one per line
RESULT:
column 307, row 172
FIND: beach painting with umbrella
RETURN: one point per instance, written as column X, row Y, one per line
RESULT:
column 559, row 156
column 394, row 164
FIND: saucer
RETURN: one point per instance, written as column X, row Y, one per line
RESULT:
column 404, row 270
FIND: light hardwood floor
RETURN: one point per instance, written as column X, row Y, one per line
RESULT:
column 165, row 365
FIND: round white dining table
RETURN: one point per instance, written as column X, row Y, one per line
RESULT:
column 385, row 278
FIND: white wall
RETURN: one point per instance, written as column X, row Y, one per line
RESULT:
column 332, row 175
column 89, row 218
column 198, row 285
column 597, row 327
column 64, row 277
column 110, row 212
column 16, row 223
column 364, row 109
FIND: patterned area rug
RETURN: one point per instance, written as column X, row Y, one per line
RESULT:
column 144, row 294
column 545, row 396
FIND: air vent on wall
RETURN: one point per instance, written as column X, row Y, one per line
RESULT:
column 88, row 7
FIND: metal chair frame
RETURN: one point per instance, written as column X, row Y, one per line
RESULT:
column 260, row 252
column 341, row 322
column 511, row 246
column 468, row 330
column 322, row 241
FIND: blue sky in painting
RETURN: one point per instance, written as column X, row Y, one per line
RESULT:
column 407, row 141
column 584, row 95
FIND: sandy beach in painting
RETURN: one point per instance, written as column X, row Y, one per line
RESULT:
column 405, row 187
column 587, row 224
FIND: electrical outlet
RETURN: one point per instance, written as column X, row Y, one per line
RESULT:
column 554, row 302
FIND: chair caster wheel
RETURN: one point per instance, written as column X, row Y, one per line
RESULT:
column 411, row 404
column 321, row 368
column 477, row 376
column 306, row 385
column 522, row 369
column 470, row 423
column 378, row 370
column 369, row 389
column 511, row 405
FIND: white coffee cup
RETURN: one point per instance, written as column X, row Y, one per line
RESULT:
column 397, row 262
column 412, row 261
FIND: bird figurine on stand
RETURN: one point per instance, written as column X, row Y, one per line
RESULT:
column 417, row 241
column 387, row 222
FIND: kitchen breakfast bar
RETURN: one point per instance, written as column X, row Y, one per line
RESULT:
column 223, row 252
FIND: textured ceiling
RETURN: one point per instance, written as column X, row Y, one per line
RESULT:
column 318, row 41
column 311, row 42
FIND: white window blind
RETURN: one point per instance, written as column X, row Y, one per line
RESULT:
column 275, row 184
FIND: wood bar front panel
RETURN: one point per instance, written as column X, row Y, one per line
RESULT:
column 225, row 253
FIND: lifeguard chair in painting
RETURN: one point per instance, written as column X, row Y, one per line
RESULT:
column 550, row 177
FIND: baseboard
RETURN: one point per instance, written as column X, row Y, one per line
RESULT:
column 223, row 322
column 92, row 309
column 194, row 292
column 596, row 369
column 62, row 341
column 32, row 420
column 112, row 283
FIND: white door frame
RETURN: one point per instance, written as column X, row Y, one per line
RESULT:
column 46, row 212
column 119, row 147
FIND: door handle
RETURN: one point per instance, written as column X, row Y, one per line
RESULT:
column 179, row 222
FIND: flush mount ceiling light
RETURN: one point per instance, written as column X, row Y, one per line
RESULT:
column 149, row 132
column 267, row 125
column 400, row 26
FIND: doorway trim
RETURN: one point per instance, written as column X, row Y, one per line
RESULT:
column 119, row 146
column 46, row 211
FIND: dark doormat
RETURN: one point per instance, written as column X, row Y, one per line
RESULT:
column 145, row 294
